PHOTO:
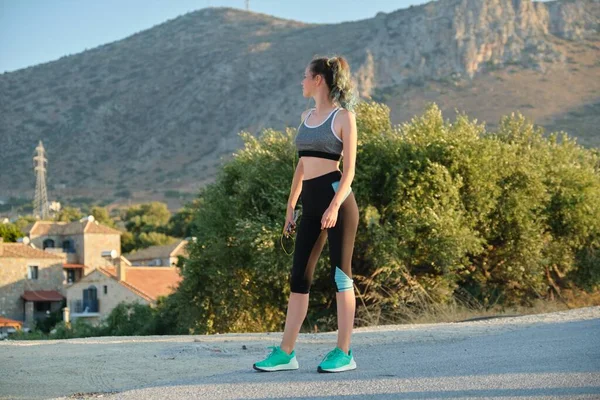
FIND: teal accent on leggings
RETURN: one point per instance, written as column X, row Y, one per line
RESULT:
column 342, row 280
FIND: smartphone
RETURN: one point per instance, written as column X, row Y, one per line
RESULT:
column 289, row 229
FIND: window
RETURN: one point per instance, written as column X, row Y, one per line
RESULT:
column 92, row 292
column 48, row 243
column 105, row 289
column 32, row 272
column 90, row 299
column 68, row 246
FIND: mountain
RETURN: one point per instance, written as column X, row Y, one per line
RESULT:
column 161, row 109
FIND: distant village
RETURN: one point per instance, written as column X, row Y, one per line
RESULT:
column 76, row 268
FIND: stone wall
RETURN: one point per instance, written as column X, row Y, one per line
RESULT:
column 94, row 245
column 115, row 293
column 14, row 282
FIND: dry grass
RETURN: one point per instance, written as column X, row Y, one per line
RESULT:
column 467, row 310
column 460, row 310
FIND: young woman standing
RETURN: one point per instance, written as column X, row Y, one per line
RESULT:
column 329, row 210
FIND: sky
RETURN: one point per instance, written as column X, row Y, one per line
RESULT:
column 38, row 31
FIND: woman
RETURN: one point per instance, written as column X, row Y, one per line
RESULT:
column 329, row 210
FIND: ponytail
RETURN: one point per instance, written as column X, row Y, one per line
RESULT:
column 336, row 72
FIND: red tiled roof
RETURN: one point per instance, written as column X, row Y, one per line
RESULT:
column 7, row 322
column 95, row 227
column 147, row 282
column 44, row 228
column 155, row 281
column 42, row 295
column 112, row 271
column 20, row 250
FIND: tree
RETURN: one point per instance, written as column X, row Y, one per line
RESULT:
column 69, row 214
column 180, row 224
column 148, row 217
column 153, row 239
column 101, row 215
column 10, row 232
column 24, row 221
column 146, row 226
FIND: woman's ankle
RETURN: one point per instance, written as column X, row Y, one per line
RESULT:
column 287, row 349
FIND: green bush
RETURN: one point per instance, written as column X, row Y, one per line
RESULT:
column 126, row 319
column 35, row 334
column 129, row 319
column 45, row 325
column 79, row 328
column 447, row 211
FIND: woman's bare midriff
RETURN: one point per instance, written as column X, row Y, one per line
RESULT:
column 315, row 166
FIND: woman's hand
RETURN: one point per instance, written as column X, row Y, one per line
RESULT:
column 329, row 217
column 289, row 221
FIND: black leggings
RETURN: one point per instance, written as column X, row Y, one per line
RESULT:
column 316, row 196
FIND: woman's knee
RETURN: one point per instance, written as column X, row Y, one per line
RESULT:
column 341, row 280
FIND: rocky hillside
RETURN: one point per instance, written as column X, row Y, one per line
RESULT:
column 162, row 108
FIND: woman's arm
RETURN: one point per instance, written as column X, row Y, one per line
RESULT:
column 298, row 175
column 349, row 142
column 296, row 185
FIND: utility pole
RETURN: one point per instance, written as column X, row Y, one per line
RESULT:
column 247, row 5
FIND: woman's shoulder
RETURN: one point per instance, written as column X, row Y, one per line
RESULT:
column 345, row 112
column 346, row 115
column 305, row 113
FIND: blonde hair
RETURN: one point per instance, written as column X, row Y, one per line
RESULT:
column 336, row 72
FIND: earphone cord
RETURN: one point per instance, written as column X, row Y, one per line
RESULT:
column 281, row 241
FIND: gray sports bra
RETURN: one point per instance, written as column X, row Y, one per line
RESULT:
column 319, row 140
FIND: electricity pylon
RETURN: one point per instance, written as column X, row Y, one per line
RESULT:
column 40, row 203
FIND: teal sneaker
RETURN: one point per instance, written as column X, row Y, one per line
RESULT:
column 278, row 360
column 337, row 361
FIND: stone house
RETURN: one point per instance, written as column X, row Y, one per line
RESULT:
column 86, row 244
column 31, row 282
column 165, row 255
column 99, row 292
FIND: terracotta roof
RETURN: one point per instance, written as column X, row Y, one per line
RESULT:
column 152, row 252
column 111, row 271
column 148, row 282
column 45, row 228
column 42, row 295
column 155, row 281
column 7, row 322
column 20, row 250
column 95, row 227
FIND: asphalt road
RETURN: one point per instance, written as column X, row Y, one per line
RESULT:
column 548, row 356
column 554, row 360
